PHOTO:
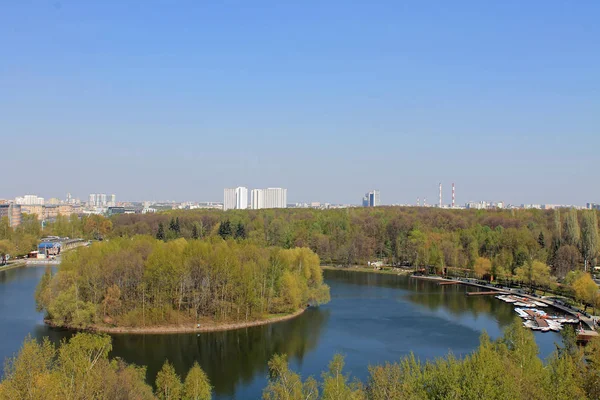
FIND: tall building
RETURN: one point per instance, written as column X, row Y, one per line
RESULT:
column 113, row 201
column 101, row 200
column 275, row 198
column 30, row 200
column 12, row 212
column 92, row 200
column 257, row 199
column 241, row 198
column 268, row 198
column 228, row 199
column 371, row 199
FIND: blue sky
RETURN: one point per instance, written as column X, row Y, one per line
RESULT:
column 177, row 100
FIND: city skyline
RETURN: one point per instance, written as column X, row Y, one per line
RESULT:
column 150, row 104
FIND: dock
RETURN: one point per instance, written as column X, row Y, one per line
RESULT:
column 585, row 320
column 449, row 283
column 489, row 293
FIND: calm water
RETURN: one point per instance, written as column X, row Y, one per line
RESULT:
column 371, row 318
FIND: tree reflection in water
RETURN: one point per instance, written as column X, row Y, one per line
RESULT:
column 228, row 358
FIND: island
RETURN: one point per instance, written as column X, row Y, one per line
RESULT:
column 145, row 285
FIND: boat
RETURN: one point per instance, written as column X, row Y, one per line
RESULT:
column 540, row 304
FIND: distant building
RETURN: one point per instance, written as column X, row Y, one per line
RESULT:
column 29, row 200
column 229, row 199
column 12, row 212
column 371, row 199
column 241, row 198
column 92, row 200
column 112, row 202
column 268, row 198
column 257, row 199
column 592, row 206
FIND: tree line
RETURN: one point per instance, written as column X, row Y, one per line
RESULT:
column 142, row 281
column 565, row 240
column 20, row 240
column 507, row 368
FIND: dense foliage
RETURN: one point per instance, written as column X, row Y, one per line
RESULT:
column 144, row 282
column 508, row 368
column 24, row 238
column 563, row 239
column 80, row 369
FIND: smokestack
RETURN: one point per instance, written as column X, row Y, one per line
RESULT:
column 453, row 196
column 440, row 195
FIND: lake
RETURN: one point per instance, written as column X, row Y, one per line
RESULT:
column 372, row 318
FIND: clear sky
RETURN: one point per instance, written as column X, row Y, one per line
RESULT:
column 179, row 99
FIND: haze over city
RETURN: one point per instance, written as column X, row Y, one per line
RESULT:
column 163, row 101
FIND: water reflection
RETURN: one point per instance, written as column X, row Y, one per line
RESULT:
column 228, row 358
column 372, row 318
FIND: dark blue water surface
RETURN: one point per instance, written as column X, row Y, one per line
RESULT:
column 372, row 318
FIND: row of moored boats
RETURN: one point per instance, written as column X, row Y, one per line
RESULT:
column 536, row 319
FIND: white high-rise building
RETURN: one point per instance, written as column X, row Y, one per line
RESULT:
column 275, row 198
column 257, row 200
column 101, row 200
column 92, row 200
column 228, row 199
column 30, row 200
column 241, row 198
column 113, row 201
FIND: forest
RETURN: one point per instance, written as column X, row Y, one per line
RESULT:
column 141, row 281
column 565, row 240
column 507, row 368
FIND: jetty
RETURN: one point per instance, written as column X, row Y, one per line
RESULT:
column 490, row 293
column 586, row 321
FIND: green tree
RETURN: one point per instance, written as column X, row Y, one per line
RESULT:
column 589, row 239
column 195, row 231
column 572, row 232
column 160, row 234
column 285, row 384
column 196, row 385
column 335, row 383
column 240, row 231
column 168, row 383
column 225, row 229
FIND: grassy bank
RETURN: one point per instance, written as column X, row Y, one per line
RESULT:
column 206, row 326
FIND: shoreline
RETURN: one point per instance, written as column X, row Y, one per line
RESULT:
column 172, row 329
column 368, row 269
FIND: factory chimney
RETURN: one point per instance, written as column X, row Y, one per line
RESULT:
column 453, row 196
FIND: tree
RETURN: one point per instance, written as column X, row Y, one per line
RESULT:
column 160, row 235
column 565, row 260
column 240, row 232
column 168, row 383
column 541, row 240
column 195, row 231
column 225, row 229
column 285, row 384
column 572, row 232
column 483, row 266
column 196, row 385
column 585, row 289
column 335, row 383
column 589, row 239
